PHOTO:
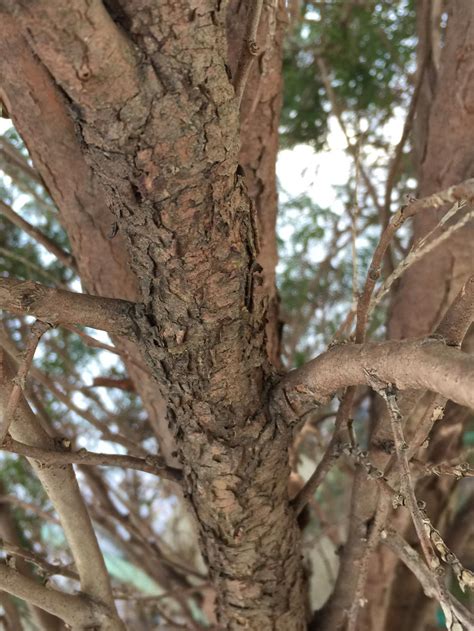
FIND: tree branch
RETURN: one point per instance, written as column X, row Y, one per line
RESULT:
column 58, row 306
column 62, row 488
column 37, row 331
column 414, row 563
column 150, row 464
column 77, row 611
column 426, row 364
column 457, row 193
column 64, row 257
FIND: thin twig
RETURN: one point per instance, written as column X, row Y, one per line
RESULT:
column 37, row 331
column 64, row 257
column 378, row 523
column 392, row 171
column 430, row 586
column 337, row 111
column 46, row 568
column 150, row 464
column 330, row 455
column 414, row 256
column 28, row 506
column 459, row 192
column 408, row 488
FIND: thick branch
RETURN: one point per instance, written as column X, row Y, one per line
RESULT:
column 57, row 306
column 77, row 611
column 426, row 364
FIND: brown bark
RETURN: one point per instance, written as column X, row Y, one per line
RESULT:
column 259, row 119
column 42, row 116
column 445, row 138
column 160, row 131
column 426, row 291
column 57, row 306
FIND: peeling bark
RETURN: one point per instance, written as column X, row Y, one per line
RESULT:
column 159, row 125
column 55, row 148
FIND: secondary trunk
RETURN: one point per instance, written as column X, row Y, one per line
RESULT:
column 446, row 153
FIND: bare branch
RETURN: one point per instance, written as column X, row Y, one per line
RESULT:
column 407, row 485
column 57, row 306
column 61, row 486
column 78, row 611
column 37, row 331
column 64, row 257
column 45, row 568
column 426, row 364
column 415, row 255
column 150, row 464
column 414, row 563
column 463, row 191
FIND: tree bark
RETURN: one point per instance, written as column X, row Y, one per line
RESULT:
column 259, row 120
column 42, row 115
column 446, row 157
column 159, row 125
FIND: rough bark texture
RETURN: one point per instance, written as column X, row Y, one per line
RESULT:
column 159, row 122
column 43, row 117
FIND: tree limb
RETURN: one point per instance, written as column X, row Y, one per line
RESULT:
column 78, row 611
column 426, row 364
column 58, row 306
column 150, row 464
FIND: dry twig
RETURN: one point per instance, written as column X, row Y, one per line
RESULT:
column 37, row 331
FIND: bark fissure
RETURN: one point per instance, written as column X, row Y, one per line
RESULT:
column 163, row 140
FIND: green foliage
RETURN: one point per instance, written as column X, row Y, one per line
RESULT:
column 366, row 48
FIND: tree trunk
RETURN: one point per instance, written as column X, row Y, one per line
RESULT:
column 103, row 262
column 159, row 126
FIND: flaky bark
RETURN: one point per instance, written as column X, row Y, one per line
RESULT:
column 161, row 134
column 103, row 262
